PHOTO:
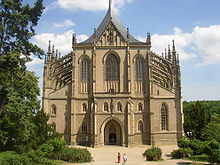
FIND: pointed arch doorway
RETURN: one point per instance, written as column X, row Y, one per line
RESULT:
column 112, row 133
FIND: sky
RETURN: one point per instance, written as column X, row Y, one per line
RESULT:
column 193, row 24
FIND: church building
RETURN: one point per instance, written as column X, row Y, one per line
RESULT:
column 111, row 89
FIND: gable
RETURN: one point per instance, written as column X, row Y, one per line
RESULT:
column 111, row 37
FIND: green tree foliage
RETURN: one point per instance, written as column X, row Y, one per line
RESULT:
column 18, row 87
column 211, row 132
column 196, row 117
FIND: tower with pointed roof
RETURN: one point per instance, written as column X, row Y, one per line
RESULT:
column 113, row 90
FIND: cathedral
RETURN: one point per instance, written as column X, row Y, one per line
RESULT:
column 111, row 89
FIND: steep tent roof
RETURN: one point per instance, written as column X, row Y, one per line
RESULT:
column 111, row 17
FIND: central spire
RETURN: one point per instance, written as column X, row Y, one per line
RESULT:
column 110, row 4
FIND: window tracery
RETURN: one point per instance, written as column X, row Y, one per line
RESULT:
column 112, row 68
column 164, row 117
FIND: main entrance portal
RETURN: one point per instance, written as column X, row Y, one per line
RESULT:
column 113, row 135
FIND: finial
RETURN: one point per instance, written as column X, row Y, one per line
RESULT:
column 56, row 54
column 177, row 60
column 49, row 47
column 128, row 34
column 74, row 38
column 94, row 35
column 174, row 49
column 169, row 53
column 148, row 40
column 165, row 53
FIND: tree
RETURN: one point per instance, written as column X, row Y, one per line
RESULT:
column 18, row 87
column 196, row 117
column 211, row 132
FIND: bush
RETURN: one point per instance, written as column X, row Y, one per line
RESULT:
column 76, row 155
column 58, row 147
column 181, row 153
column 15, row 159
column 183, row 142
column 37, row 157
column 197, row 146
column 153, row 154
column 212, row 149
column 46, row 149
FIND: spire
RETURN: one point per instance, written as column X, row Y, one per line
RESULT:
column 148, row 40
column 169, row 53
column 128, row 35
column 165, row 53
column 49, row 47
column 110, row 5
column 174, row 53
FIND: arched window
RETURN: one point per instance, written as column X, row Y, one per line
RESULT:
column 53, row 110
column 53, row 126
column 106, row 107
column 140, row 107
column 164, row 117
column 139, row 69
column 119, row 107
column 84, row 128
column 140, row 126
column 112, row 68
column 85, row 70
column 84, row 107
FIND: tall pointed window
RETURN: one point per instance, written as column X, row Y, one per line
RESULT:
column 139, row 69
column 85, row 70
column 84, row 128
column 84, row 107
column 119, row 107
column 164, row 117
column 53, row 110
column 140, row 126
column 140, row 107
column 106, row 107
column 112, row 68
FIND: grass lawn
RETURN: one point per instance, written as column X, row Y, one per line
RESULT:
column 13, row 153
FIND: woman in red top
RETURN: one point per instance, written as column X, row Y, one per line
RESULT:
column 119, row 157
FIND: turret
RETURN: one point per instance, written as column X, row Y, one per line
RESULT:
column 169, row 53
column 128, row 35
column 148, row 40
column 174, row 54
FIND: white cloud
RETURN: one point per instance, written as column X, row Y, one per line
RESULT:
column 66, row 24
column 89, row 5
column 202, row 42
column 207, row 44
column 62, row 42
column 35, row 61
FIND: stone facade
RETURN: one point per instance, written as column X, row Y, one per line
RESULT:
column 113, row 90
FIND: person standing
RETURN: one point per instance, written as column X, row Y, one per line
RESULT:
column 125, row 159
column 119, row 157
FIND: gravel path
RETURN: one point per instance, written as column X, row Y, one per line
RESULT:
column 107, row 155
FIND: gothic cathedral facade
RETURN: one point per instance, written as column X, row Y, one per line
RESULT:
column 113, row 90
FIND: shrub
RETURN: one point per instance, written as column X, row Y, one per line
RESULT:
column 197, row 146
column 76, row 155
column 37, row 157
column 58, row 147
column 183, row 142
column 212, row 149
column 181, row 153
column 153, row 154
column 15, row 159
column 46, row 149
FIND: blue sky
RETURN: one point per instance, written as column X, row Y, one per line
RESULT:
column 194, row 24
